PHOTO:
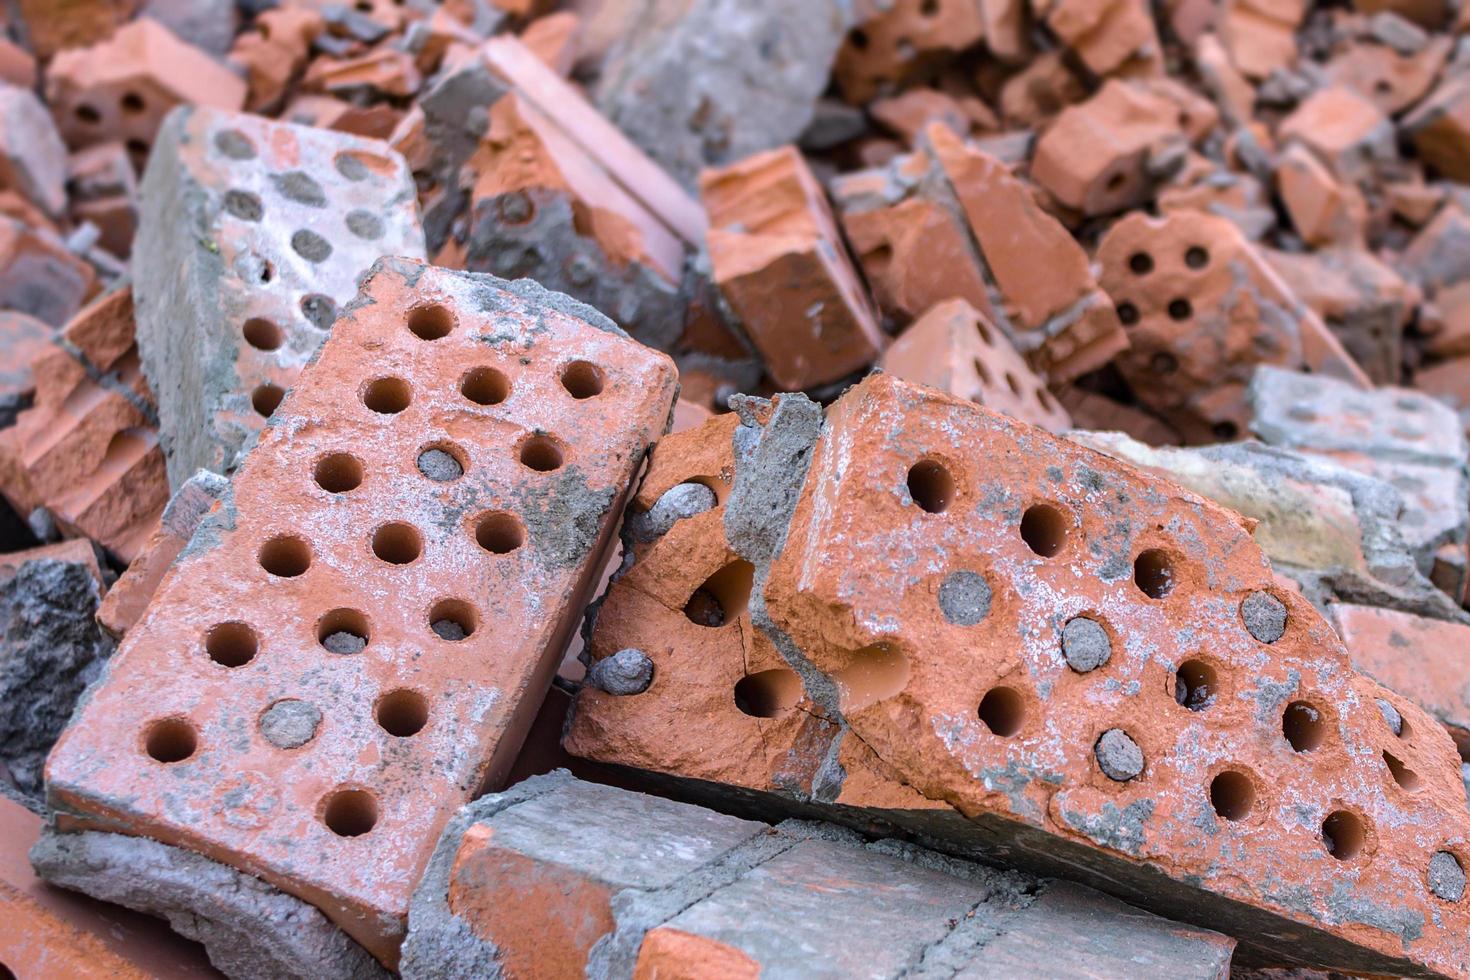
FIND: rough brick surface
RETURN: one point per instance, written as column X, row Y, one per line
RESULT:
column 356, row 641
column 252, row 235
column 22, row 339
column 902, row 41
column 86, row 451
column 1203, row 746
column 38, row 275
column 634, row 884
column 1202, row 309
column 49, row 933
column 783, row 270
column 955, row 349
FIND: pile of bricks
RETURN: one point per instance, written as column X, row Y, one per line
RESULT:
column 734, row 488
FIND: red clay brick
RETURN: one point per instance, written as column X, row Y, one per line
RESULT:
column 53, row 25
column 1323, row 210
column 1440, row 128
column 783, row 270
column 955, row 349
column 1260, row 34
column 1348, row 133
column 348, row 526
column 39, row 276
column 903, row 41
column 49, row 933
column 1202, row 309
column 1109, row 37
column 104, row 191
column 1241, row 750
column 275, row 54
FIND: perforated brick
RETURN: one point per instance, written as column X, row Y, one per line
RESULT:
column 252, row 235
column 1059, row 659
column 356, row 642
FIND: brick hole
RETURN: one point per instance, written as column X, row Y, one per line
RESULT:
column 365, row 225
column 442, row 462
column 931, row 486
column 453, row 619
column 138, row 149
column 499, row 532
column 1141, row 263
column 88, row 114
column 338, row 472
column 723, row 597
column 1044, row 400
column 234, row 144
column 244, row 205
column 874, row 674
column 231, row 644
column 582, row 379
column 132, row 103
column 402, row 713
column 1163, row 363
column 485, row 386
column 1406, row 778
column 542, row 454
column 266, row 398
column 387, row 396
column 1153, row 573
column 343, row 631
column 1232, row 794
column 285, row 556
column 984, row 332
column 310, row 246
column 929, row 8
column 1304, row 726
column 319, row 310
column 1383, row 87
column 515, row 208
column 768, row 693
column 1225, row 431
column 1195, row 685
column 267, row 271
column 1013, row 384
column 1344, row 835
column 1003, row 711
column 1196, row 257
column 430, row 322
column 983, row 372
column 1127, row 314
column 262, row 334
column 859, row 39
column 350, row 812
column 397, row 543
column 356, row 165
column 1116, row 182
column 1180, row 309
column 170, row 740
column 1044, row 529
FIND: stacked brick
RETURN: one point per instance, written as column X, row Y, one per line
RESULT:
column 1264, row 750
column 342, row 655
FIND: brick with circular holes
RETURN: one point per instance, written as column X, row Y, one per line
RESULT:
column 1202, row 309
column 252, row 235
column 356, row 641
column 1018, row 644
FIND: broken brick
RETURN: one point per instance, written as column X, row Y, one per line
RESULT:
column 903, row 41
column 1346, row 131
column 274, row 55
column 22, row 339
column 1390, row 80
column 457, row 438
column 104, row 191
column 1202, row 309
column 1440, row 128
column 54, row 25
column 292, row 216
column 1260, row 34
column 1111, row 37
column 783, row 270
column 39, row 276
column 954, row 348
column 1323, row 210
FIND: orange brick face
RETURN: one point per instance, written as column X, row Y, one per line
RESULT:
column 344, row 653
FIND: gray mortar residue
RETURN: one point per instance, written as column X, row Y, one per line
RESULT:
column 1264, row 615
column 964, row 598
column 290, row 723
column 51, row 650
column 1391, row 716
column 1118, row 755
column 439, row 466
column 678, row 503
column 1400, row 920
column 1121, row 830
column 563, row 520
column 448, row 629
column 626, row 672
column 344, row 642
column 1085, row 644
column 1446, row 877
column 440, row 945
column 771, row 465
column 249, row 928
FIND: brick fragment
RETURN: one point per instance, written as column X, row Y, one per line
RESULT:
column 679, row 891
column 1346, row 131
column 1391, row 80
column 104, row 191
column 1439, row 254
column 412, row 723
column 1415, row 657
column 1323, row 210
column 86, row 452
column 1260, row 34
column 1107, row 153
column 554, row 40
column 251, row 238
column 121, row 89
column 1440, row 128
column 1114, row 37
column 274, row 55
column 45, row 932
column 954, row 348
column 39, row 276
column 22, row 339
column 1202, row 309
column 1012, row 744
column 902, row 42
column 54, row 25
column 783, row 270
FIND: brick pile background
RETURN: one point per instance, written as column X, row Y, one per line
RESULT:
column 734, row 488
